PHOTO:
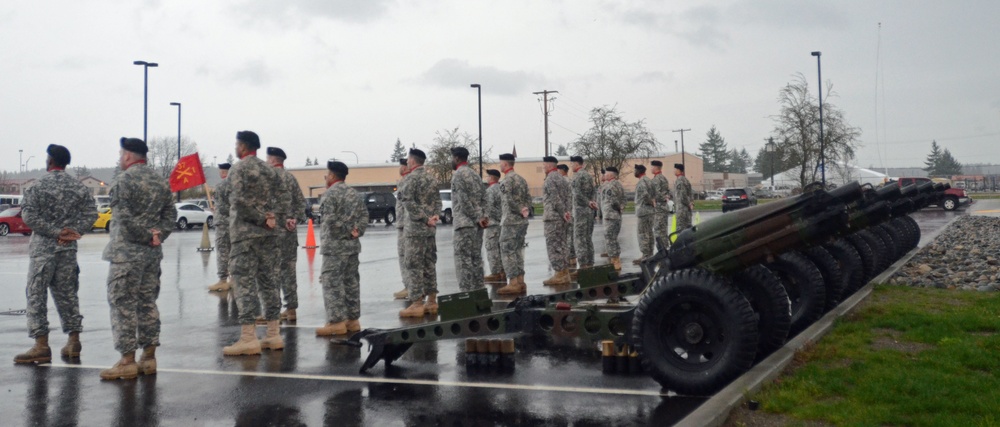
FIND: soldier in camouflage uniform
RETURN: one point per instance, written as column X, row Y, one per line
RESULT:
column 584, row 206
column 513, row 226
column 344, row 220
column 257, row 202
column 400, row 235
column 661, row 214
column 613, row 200
column 556, row 202
column 59, row 209
column 564, row 171
column 222, row 229
column 468, row 200
column 422, row 203
column 491, row 237
column 684, row 198
column 645, row 204
column 144, row 216
column 288, row 236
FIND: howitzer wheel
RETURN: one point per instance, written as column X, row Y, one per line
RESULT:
column 913, row 226
column 911, row 237
column 880, row 252
column 893, row 246
column 694, row 332
column 833, row 277
column 804, row 284
column 899, row 236
column 770, row 304
column 868, row 261
column 850, row 264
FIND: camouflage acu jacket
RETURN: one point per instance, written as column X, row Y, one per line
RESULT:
column 297, row 202
column 515, row 195
column 583, row 189
column 257, row 190
column 400, row 212
column 556, row 195
column 343, row 211
column 421, row 200
column 140, row 202
column 644, row 196
column 467, row 197
column 58, row 201
column 222, row 203
column 494, row 204
column 612, row 200
column 683, row 194
column 662, row 191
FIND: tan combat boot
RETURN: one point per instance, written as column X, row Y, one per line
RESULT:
column 147, row 364
column 353, row 325
column 558, row 279
column 496, row 278
column 637, row 261
column 514, row 287
column 617, row 262
column 246, row 345
column 125, row 369
column 572, row 262
column 289, row 315
column 39, row 353
column 416, row 309
column 331, row 329
column 401, row 294
column 221, row 286
column 73, row 346
column 272, row 341
column 604, row 255
column 431, row 307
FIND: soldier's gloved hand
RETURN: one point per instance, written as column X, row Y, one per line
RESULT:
column 432, row 221
column 270, row 222
column 156, row 238
column 290, row 224
column 524, row 211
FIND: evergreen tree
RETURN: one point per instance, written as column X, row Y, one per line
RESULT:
column 948, row 165
column 714, row 152
column 933, row 159
column 739, row 161
column 398, row 151
column 230, row 159
column 309, row 162
column 82, row 172
column 561, row 150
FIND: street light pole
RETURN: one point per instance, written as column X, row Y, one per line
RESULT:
column 771, row 150
column 822, row 142
column 178, row 105
column 479, row 95
column 683, row 162
column 20, row 161
column 26, row 162
column 145, row 94
column 356, row 161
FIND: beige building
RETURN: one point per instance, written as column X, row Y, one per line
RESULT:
column 383, row 176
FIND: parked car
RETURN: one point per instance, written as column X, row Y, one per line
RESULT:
column 714, row 195
column 190, row 214
column 381, row 206
column 102, row 201
column 737, row 198
column 11, row 222
column 202, row 203
column 312, row 209
column 446, row 215
column 103, row 219
column 954, row 197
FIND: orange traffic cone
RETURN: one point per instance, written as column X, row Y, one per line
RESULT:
column 310, row 237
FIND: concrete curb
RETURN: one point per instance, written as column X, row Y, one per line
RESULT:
column 716, row 409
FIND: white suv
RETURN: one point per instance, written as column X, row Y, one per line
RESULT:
column 190, row 214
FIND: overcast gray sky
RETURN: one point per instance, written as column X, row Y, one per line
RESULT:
column 324, row 76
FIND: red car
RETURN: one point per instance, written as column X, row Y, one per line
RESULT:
column 11, row 222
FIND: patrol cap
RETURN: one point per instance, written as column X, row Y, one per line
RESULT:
column 679, row 166
column 493, row 172
column 418, row 153
column 224, row 166
column 460, row 152
column 550, row 159
column 611, row 169
column 640, row 168
column 576, row 159
column 507, row 157
column 656, row 163
column 402, row 161
column 134, row 145
column 276, row 152
column 59, row 154
column 337, row 167
column 249, row 138
column 563, row 168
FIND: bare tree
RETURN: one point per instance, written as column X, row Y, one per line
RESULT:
column 439, row 156
column 162, row 155
column 611, row 141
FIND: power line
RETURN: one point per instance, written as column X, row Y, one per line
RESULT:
column 545, row 103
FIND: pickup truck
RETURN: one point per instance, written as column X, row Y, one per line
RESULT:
column 954, row 198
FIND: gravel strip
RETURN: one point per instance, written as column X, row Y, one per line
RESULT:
column 965, row 256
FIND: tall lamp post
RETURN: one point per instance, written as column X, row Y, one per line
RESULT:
column 26, row 162
column 356, row 161
column 822, row 142
column 479, row 95
column 771, row 149
column 145, row 94
column 178, row 105
column 20, row 160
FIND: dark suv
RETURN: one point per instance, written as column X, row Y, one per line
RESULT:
column 737, row 198
column 381, row 207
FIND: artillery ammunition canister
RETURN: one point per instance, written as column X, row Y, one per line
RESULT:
column 507, row 354
column 621, row 360
column 634, row 367
column 470, row 352
column 483, row 352
column 495, row 352
column 608, row 356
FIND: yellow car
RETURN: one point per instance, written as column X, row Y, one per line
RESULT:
column 103, row 219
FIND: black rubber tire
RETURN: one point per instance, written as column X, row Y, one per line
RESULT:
column 883, row 257
column 949, row 203
column 901, row 237
column 804, row 284
column 770, row 305
column 851, row 267
column 911, row 231
column 868, row 259
column 834, row 280
column 107, row 226
column 4, row 229
column 182, row 223
column 211, row 222
column 694, row 332
column 913, row 226
column 390, row 217
column 892, row 246
column 447, row 218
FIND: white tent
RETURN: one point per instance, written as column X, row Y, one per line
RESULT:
column 838, row 174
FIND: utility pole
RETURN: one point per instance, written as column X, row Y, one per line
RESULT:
column 545, row 105
column 682, row 144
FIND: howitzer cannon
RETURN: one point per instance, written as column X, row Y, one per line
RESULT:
column 725, row 294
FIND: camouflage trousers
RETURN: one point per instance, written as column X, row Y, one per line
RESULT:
column 491, row 239
column 420, row 261
column 569, row 240
column 583, row 234
column 612, row 228
column 401, row 252
column 555, row 244
column 252, row 265
column 661, row 226
column 132, row 291
column 644, row 232
column 512, row 248
column 468, row 245
column 222, row 248
column 341, row 287
column 683, row 217
column 288, row 254
column 59, row 274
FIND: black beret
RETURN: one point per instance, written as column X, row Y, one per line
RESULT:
column 611, row 169
column 562, row 167
column 225, row 166
column 578, row 159
column 550, row 159
column 679, row 166
column 656, row 163
column 339, row 168
column 276, row 152
column 418, row 153
column 134, row 145
column 402, row 161
column 249, row 138
column 507, row 157
column 59, row 154
column 640, row 168
column 460, row 152
column 493, row 172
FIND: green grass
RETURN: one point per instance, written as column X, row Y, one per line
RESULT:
column 944, row 369
column 984, row 196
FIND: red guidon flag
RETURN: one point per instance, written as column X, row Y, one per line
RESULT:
column 187, row 173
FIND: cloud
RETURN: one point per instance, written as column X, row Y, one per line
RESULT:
column 455, row 73
column 653, row 77
column 789, row 14
column 293, row 13
column 698, row 26
column 255, row 72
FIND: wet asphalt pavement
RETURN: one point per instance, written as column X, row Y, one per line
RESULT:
column 313, row 381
